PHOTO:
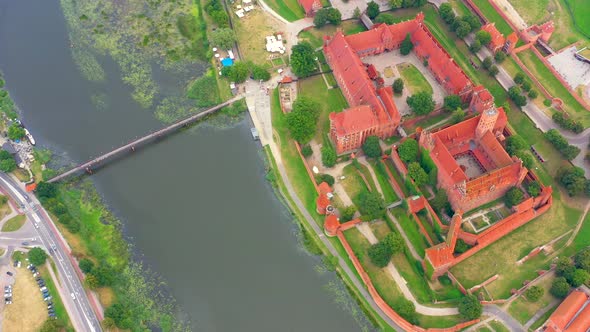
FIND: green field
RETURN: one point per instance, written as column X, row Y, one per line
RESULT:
column 580, row 9
column 554, row 86
column 331, row 100
column 288, row 9
column 14, row 224
column 532, row 11
column 493, row 16
column 413, row 79
column 523, row 310
column 60, row 310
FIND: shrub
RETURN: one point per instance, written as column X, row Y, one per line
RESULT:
column 547, row 102
column 483, row 37
column 329, row 179
column 385, row 18
column 475, row 46
column 371, row 147
column 533, row 188
column 398, row 86
column 534, row 293
column 470, row 308
column 533, row 94
column 513, row 197
column 500, row 56
column 559, row 287
column 306, row 151
column 461, row 246
column 328, row 156
column 519, row 78
column 347, row 213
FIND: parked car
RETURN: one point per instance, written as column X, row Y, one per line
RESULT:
column 9, row 273
column 47, row 298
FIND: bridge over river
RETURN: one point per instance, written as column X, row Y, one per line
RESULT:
column 147, row 139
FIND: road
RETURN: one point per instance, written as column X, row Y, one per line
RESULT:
column 79, row 309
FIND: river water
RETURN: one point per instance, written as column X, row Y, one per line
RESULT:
column 196, row 206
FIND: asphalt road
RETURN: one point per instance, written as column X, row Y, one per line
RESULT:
column 78, row 306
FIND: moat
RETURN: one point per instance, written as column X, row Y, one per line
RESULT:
column 196, row 206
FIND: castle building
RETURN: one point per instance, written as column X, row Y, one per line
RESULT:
column 473, row 167
column 372, row 109
column 572, row 315
column 310, row 6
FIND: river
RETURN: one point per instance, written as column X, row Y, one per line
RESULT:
column 196, row 206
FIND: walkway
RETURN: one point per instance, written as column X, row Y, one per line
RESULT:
column 540, row 313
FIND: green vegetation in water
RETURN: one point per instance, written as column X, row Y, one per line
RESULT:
column 100, row 101
column 138, row 35
column 6, row 104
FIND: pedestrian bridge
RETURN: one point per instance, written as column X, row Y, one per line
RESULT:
column 140, row 142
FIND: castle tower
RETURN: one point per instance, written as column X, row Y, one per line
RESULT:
column 547, row 30
column 420, row 18
column 487, row 121
column 481, row 100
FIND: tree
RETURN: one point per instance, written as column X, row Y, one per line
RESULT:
column 572, row 178
column 259, row 73
column 406, row 46
column 458, row 116
column 473, row 22
column 515, row 143
column 398, row 86
column 408, row 150
column 109, row 323
column 371, row 205
column 470, row 308
column 104, row 275
column 372, row 9
column 534, row 293
column 533, row 94
column 321, row 18
column 487, row 62
column 493, row 71
column 16, row 132
column 334, row 16
column 380, row 254
column 582, row 259
column 86, row 265
column 395, row 4
column 385, row 18
column 5, row 155
column 407, row 310
column 118, row 313
column 327, row 178
column 7, row 165
column 500, row 56
column 452, row 102
column 416, row 172
column 463, row 29
column 440, row 202
column 328, row 156
column 475, row 46
column 563, row 265
column 347, row 213
column 238, row 72
column 579, row 278
column 302, row 120
column 394, row 241
column 559, row 287
column 371, row 147
column 446, row 12
column 91, row 281
column 37, row 256
column 483, row 36
column 306, row 151
column 519, row 78
column 526, row 86
column 223, row 38
column 303, row 60
column 356, row 13
column 533, row 189
column 421, row 103
column 513, row 197
column 461, row 246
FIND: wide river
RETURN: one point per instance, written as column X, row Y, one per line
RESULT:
column 196, row 206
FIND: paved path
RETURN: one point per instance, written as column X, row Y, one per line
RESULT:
column 366, row 230
column 363, row 160
column 403, row 234
column 540, row 313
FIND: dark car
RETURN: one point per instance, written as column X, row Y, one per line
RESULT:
column 9, row 273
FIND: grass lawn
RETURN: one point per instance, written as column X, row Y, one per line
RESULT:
column 554, row 86
column 493, row 16
column 331, row 100
column 22, row 175
column 4, row 206
column 413, row 78
column 353, row 183
column 315, row 35
column 381, row 174
column 396, row 176
column 523, row 310
column 28, row 310
column 580, row 9
column 498, row 326
column 251, row 31
column 14, row 224
column 288, row 9
column 495, row 259
column 411, row 230
column 60, row 310
column 294, row 166
column 460, row 7
column 532, row 11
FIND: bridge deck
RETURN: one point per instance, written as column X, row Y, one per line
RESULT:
column 131, row 145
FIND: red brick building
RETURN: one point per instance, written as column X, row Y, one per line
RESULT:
column 572, row 315
column 473, row 167
column 310, row 6
column 372, row 109
column 497, row 41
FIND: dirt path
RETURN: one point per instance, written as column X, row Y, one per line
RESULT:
column 512, row 14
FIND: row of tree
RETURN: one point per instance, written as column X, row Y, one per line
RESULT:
column 571, row 273
column 217, row 12
column 240, row 71
column 327, row 15
column 461, row 25
column 574, row 181
column 516, row 146
column 567, row 122
column 7, row 162
column 561, row 144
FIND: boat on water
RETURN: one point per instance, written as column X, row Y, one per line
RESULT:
column 29, row 136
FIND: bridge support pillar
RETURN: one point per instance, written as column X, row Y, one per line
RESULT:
column 88, row 170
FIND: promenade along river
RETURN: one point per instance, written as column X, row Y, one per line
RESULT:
column 196, row 206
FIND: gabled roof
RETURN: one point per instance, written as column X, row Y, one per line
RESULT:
column 497, row 38
column 570, row 311
column 354, row 119
column 308, row 5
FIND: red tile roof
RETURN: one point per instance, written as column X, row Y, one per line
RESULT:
column 309, row 6
column 354, row 119
column 497, row 40
column 568, row 310
column 324, row 188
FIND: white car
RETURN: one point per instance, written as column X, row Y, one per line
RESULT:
column 36, row 225
column 73, row 296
